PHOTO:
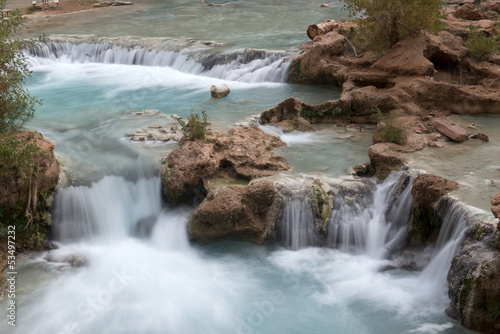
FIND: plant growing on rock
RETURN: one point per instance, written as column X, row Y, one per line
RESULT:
column 480, row 45
column 195, row 127
column 383, row 23
column 389, row 128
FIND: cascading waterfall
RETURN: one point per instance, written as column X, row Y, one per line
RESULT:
column 375, row 223
column 449, row 240
column 114, row 207
column 249, row 66
column 297, row 225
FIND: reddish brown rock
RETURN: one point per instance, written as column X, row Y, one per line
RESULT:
column 495, row 206
column 16, row 191
column 287, row 115
column 385, row 159
column 454, row 132
column 481, row 136
column 246, row 153
column 470, row 12
column 427, row 189
column 320, row 29
column 237, row 213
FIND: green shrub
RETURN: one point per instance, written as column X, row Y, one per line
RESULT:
column 389, row 129
column 480, row 45
column 196, row 127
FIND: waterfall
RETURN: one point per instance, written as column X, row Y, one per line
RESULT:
column 297, row 225
column 375, row 223
column 249, row 66
column 112, row 208
column 449, row 240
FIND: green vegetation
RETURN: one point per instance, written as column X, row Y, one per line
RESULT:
column 389, row 128
column 383, row 23
column 311, row 113
column 196, row 127
column 480, row 45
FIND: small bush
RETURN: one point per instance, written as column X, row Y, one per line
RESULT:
column 480, row 45
column 389, row 129
column 196, row 127
column 16, row 156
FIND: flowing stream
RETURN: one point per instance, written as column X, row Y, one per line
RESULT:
column 124, row 263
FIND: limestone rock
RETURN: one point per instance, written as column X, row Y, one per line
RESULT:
column 219, row 91
column 473, row 280
column 327, row 26
column 287, row 115
column 427, row 189
column 495, row 206
column 481, row 136
column 384, row 159
column 245, row 153
column 470, row 12
column 454, row 132
column 247, row 213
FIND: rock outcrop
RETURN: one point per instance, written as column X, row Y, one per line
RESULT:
column 384, row 159
column 16, row 192
column 473, row 280
column 470, row 12
column 288, row 116
column 424, row 225
column 247, row 213
column 244, row 153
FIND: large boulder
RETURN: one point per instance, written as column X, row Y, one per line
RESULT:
column 244, row 153
column 473, row 280
column 247, row 213
column 424, row 226
column 495, row 206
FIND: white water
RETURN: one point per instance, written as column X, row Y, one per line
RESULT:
column 297, row 225
column 245, row 68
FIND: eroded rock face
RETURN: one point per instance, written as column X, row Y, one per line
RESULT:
column 427, row 189
column 384, row 159
column 473, row 280
column 495, row 206
column 245, row 153
column 15, row 191
column 247, row 213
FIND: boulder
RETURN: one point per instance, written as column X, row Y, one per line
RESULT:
column 219, row 91
column 427, row 190
column 287, row 115
column 493, row 6
column 384, row 159
column 406, row 58
column 244, row 153
column 470, row 12
column 450, row 130
column 495, row 206
column 247, row 213
column 345, row 28
column 473, row 280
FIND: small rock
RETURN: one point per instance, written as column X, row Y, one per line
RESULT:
column 471, row 126
column 174, row 129
column 325, row 5
column 219, row 91
column 177, row 136
column 138, row 138
column 164, row 137
column 150, row 112
column 175, row 116
column 481, row 136
column 155, row 126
